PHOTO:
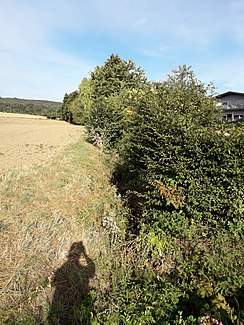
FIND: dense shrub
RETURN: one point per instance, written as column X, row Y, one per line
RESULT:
column 180, row 168
column 187, row 168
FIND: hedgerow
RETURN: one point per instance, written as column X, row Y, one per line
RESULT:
column 187, row 169
column 180, row 169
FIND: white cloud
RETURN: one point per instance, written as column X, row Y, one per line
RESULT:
column 140, row 22
column 160, row 51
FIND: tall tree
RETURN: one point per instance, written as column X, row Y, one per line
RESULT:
column 67, row 110
column 116, row 74
column 110, row 83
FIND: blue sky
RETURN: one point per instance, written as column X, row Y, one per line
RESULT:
column 48, row 46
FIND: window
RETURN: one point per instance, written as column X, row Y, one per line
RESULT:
column 238, row 117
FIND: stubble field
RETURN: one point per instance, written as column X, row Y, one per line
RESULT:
column 27, row 140
column 54, row 190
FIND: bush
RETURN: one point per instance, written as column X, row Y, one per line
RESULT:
column 187, row 169
column 181, row 170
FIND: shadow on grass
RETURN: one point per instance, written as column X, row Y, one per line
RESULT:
column 71, row 302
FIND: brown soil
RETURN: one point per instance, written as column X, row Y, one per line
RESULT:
column 27, row 140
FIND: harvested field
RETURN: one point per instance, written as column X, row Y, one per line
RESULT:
column 27, row 140
column 45, row 210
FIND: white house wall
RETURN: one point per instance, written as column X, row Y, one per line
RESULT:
column 233, row 106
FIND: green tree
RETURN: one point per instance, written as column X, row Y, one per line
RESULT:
column 116, row 74
column 69, row 106
column 84, row 100
column 110, row 83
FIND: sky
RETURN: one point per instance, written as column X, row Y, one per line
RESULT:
column 48, row 46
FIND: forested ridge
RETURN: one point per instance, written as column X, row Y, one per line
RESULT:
column 179, row 169
column 30, row 106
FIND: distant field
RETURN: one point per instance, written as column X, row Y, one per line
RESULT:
column 25, row 116
column 27, row 140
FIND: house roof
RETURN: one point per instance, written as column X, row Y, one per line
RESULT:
column 229, row 93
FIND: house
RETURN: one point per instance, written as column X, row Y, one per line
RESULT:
column 232, row 104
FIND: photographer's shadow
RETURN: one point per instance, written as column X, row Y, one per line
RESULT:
column 70, row 303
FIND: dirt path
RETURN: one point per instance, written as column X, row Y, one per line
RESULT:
column 26, row 140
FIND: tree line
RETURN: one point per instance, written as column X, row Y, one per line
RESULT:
column 180, row 170
column 30, row 106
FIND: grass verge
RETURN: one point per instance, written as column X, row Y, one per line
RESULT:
column 43, row 211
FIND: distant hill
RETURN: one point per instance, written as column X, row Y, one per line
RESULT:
column 30, row 106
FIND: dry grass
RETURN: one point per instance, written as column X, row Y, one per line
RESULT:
column 28, row 140
column 43, row 210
